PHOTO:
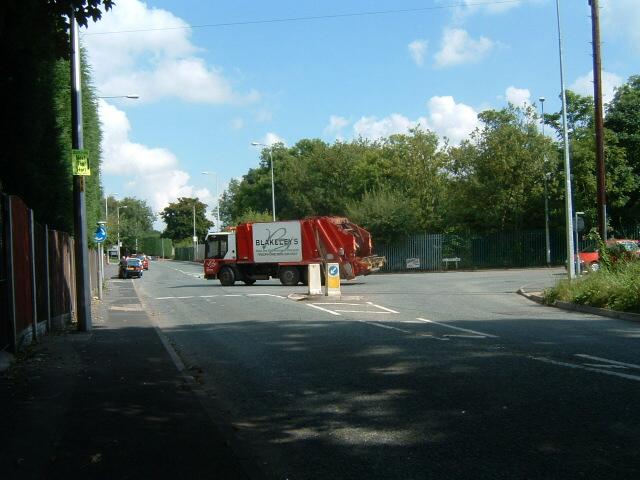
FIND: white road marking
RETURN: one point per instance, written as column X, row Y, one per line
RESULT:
column 613, row 362
column 323, row 309
column 463, row 336
column 458, row 328
column 382, row 308
column 233, row 295
column 604, row 365
column 208, row 296
column 361, row 311
column 589, row 369
column 388, row 327
column 264, row 295
column 164, row 298
column 340, row 303
column 190, row 296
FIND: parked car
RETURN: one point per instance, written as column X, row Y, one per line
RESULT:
column 590, row 258
column 131, row 267
column 143, row 258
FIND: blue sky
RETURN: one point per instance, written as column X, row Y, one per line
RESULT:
column 206, row 91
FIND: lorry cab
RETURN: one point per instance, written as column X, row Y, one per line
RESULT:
column 220, row 246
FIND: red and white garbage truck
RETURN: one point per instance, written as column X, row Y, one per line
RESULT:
column 259, row 251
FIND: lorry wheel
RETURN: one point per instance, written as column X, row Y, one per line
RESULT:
column 289, row 276
column 227, row 276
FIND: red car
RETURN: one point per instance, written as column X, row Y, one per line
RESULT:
column 143, row 258
column 590, row 259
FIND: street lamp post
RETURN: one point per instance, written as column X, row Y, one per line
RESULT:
column 118, row 210
column 273, row 193
column 567, row 163
column 546, row 193
column 106, row 212
column 133, row 96
column 217, row 199
column 195, row 238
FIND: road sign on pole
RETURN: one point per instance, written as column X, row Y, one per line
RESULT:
column 100, row 234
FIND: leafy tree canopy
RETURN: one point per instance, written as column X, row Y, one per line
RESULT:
column 179, row 218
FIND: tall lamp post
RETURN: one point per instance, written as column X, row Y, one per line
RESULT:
column 546, row 192
column 133, row 96
column 217, row 199
column 567, row 164
column 118, row 210
column 106, row 212
column 273, row 193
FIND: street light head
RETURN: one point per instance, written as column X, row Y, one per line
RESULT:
column 257, row 144
column 542, row 99
column 134, row 96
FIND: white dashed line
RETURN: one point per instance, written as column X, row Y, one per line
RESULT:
column 190, row 296
column 382, row 308
column 323, row 309
column 458, row 328
column 388, row 327
column 613, row 362
column 588, row 369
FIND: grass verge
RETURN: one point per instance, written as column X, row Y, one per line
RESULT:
column 616, row 288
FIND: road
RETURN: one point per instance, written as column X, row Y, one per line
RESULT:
column 440, row 375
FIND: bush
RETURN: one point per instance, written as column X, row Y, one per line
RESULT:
column 616, row 288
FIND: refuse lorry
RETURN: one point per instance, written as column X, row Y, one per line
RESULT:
column 260, row 251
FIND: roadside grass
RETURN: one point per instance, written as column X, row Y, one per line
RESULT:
column 615, row 288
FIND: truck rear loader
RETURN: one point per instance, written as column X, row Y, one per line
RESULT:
column 260, row 251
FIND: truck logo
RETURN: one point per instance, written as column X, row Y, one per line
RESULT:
column 277, row 240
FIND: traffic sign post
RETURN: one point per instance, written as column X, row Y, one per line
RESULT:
column 100, row 235
column 332, row 287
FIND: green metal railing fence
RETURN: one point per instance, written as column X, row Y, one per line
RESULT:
column 493, row 250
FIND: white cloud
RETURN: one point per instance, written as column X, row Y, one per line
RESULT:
column 157, row 63
column 620, row 18
column 584, row 85
column 152, row 174
column 336, row 125
column 450, row 119
column 445, row 117
column 418, row 49
column 458, row 47
column 372, row 127
column 271, row 139
column 518, row 96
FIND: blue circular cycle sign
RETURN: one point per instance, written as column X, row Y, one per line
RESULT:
column 333, row 270
column 100, row 234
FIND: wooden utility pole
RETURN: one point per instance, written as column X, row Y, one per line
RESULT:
column 599, row 125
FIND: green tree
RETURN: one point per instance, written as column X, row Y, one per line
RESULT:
column 621, row 180
column 386, row 213
column 136, row 222
column 497, row 175
column 623, row 119
column 179, row 218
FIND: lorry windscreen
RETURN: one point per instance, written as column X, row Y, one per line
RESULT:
column 216, row 247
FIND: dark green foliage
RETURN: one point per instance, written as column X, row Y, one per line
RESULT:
column 179, row 218
column 136, row 220
column 35, row 95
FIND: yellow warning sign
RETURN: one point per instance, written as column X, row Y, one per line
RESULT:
column 80, row 162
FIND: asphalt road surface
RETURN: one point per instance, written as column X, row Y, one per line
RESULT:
column 441, row 375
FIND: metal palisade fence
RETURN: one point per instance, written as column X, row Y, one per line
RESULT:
column 420, row 252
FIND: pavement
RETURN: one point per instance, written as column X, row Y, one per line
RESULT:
column 110, row 403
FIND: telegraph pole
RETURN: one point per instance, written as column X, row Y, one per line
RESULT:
column 599, row 125
column 83, row 294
